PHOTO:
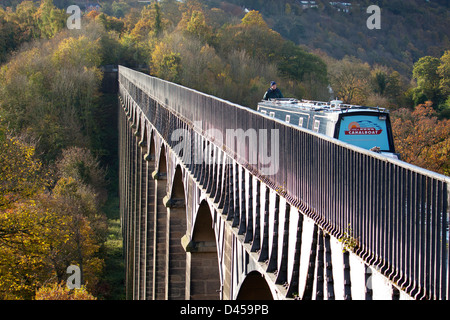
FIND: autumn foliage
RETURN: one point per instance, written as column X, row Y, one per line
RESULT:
column 422, row 139
column 52, row 127
column 44, row 228
column 59, row 291
column 21, row 174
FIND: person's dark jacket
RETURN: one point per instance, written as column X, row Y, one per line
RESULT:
column 273, row 94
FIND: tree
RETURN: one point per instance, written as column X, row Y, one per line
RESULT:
column 425, row 73
column 298, row 65
column 48, row 94
column 252, row 35
column 119, row 8
column 170, row 13
column 422, row 139
column 444, row 73
column 432, row 77
column 85, row 229
column 386, row 87
column 25, row 13
column 243, row 79
column 254, row 19
column 9, row 32
column 349, row 79
column 31, row 238
column 110, row 23
column 50, row 90
column 42, row 233
column 149, row 25
column 197, row 26
column 79, row 164
column 165, row 63
column 77, row 52
column 60, row 291
column 50, row 19
column 21, row 173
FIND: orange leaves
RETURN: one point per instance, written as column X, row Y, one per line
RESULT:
column 422, row 139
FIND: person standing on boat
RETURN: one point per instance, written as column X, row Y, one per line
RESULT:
column 273, row 92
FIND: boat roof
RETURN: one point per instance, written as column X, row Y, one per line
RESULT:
column 311, row 105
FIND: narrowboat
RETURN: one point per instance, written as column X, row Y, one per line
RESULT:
column 365, row 127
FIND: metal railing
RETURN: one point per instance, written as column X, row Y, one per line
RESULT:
column 394, row 215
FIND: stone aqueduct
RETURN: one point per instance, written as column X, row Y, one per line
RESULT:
column 217, row 229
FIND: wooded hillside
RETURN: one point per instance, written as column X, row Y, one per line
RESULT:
column 409, row 29
column 57, row 130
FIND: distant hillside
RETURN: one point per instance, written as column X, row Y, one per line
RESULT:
column 409, row 29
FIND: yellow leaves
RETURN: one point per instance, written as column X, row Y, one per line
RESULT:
column 60, row 291
column 166, row 63
column 197, row 26
column 40, row 238
column 42, row 233
column 77, row 52
column 254, row 18
column 20, row 173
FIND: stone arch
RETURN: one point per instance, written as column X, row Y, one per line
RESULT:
column 177, row 186
column 144, row 136
column 176, row 215
column 138, row 214
column 161, row 170
column 150, row 155
column 133, row 116
column 160, row 222
column 137, row 125
column 254, row 287
column 204, row 267
column 150, row 195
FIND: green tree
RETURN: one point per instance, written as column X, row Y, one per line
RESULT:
column 79, row 164
column 50, row 19
column 296, row 62
column 252, row 35
column 425, row 72
column 165, row 63
column 197, row 26
column 110, row 23
column 149, row 25
column 444, row 73
column 77, row 52
column 386, row 87
column 25, row 17
column 9, row 32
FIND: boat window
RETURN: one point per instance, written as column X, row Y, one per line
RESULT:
column 316, row 125
column 300, row 121
column 288, row 118
column 272, row 114
column 264, row 111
